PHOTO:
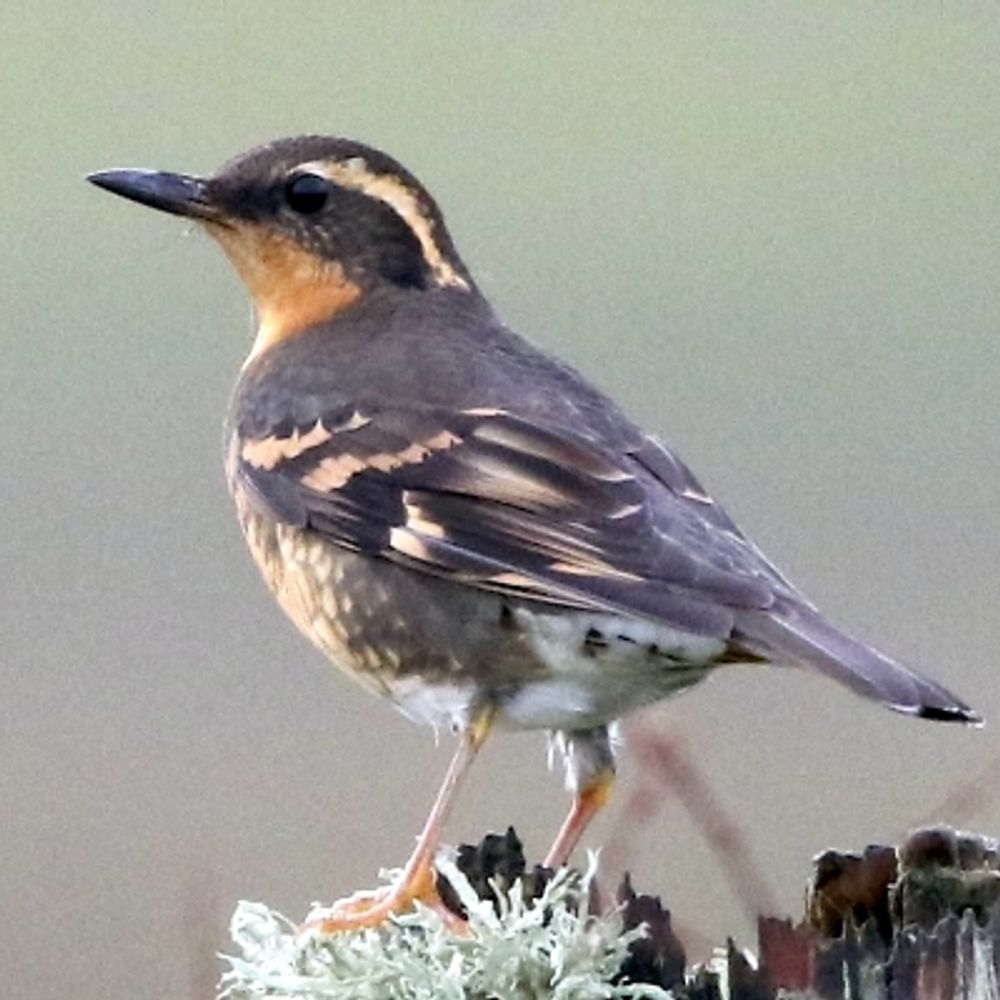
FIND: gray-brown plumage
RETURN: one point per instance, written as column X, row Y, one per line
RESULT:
column 458, row 520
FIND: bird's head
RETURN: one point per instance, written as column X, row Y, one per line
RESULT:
column 311, row 224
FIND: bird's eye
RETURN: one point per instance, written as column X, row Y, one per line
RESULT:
column 307, row 193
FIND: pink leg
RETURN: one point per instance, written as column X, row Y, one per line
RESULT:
column 367, row 909
column 589, row 801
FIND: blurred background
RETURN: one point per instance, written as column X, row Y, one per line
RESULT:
column 771, row 231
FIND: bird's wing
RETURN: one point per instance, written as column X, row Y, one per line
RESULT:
column 508, row 505
column 547, row 514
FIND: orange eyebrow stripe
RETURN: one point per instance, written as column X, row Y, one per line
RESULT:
column 356, row 175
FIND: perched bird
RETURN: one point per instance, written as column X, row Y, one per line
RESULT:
column 456, row 519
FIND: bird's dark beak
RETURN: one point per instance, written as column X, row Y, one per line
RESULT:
column 174, row 193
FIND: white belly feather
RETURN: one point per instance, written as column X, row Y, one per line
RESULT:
column 583, row 684
column 589, row 687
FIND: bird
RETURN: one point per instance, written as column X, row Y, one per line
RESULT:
column 459, row 521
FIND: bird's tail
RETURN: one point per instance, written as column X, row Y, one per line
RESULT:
column 801, row 635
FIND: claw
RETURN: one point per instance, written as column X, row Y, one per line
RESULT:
column 370, row 908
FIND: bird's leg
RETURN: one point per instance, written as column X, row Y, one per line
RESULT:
column 588, row 801
column 416, row 881
column 590, row 774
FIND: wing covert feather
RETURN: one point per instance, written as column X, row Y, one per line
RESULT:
column 500, row 503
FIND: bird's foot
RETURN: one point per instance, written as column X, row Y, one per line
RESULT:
column 369, row 908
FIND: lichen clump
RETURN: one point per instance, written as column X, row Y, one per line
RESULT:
column 518, row 949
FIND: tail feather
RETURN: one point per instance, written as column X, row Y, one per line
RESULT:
column 801, row 635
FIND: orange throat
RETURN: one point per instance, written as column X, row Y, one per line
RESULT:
column 292, row 289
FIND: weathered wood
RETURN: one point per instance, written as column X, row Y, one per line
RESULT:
column 918, row 922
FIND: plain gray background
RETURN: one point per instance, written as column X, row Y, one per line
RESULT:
column 771, row 230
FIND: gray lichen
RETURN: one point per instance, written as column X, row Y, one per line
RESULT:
column 520, row 950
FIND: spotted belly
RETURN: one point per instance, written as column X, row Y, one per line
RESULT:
column 441, row 650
